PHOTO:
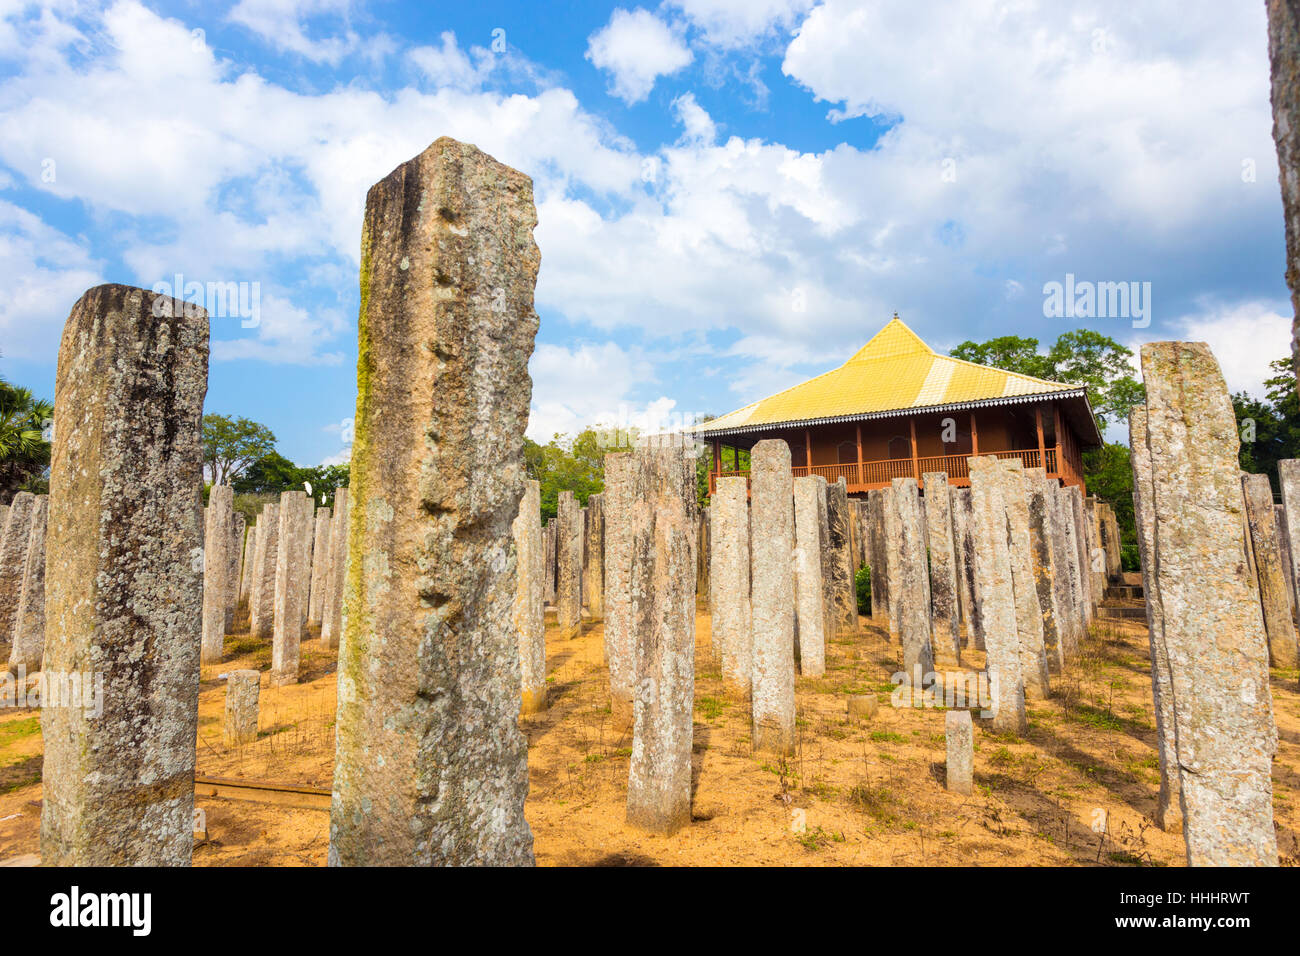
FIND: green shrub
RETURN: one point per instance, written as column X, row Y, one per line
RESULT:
column 1128, row 558
column 862, row 582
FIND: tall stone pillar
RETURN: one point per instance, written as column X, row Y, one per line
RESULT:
column 235, row 553
column 914, row 598
column 995, row 593
column 262, row 600
column 1090, row 598
column 548, row 556
column 810, row 596
column 943, row 561
column 732, row 632
column 320, row 565
column 29, row 624
column 1288, row 476
column 620, row 648
column 1065, row 551
column 287, row 633
column 1096, row 550
column 331, row 625
column 246, row 565
column 1047, row 577
column 1212, row 623
column 593, row 571
column 216, row 570
column 1169, row 812
column 124, row 581
column 530, row 622
column 568, row 578
column 878, row 556
column 893, row 559
column 960, row 737
column 430, row 650
column 1273, row 586
column 663, row 585
column 839, row 576
column 13, row 553
column 772, row 597
column 1029, row 613
column 1284, row 550
column 964, row 549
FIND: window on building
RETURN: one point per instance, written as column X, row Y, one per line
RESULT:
column 848, row 452
column 900, row 446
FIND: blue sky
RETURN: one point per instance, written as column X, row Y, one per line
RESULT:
column 733, row 195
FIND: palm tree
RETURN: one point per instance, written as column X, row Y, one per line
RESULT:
column 24, row 451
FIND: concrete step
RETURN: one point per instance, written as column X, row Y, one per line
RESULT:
column 1136, row 612
column 1125, row 592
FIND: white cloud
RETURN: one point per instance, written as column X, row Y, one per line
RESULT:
column 733, row 23
column 447, row 65
column 697, row 124
column 341, row 457
column 282, row 24
column 637, row 48
column 581, row 387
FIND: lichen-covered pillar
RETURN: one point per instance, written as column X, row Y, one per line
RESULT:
column 1029, row 613
column 703, row 577
column 837, row 572
column 732, row 634
column 243, row 690
column 307, row 520
column 663, row 584
column 568, row 576
column 29, row 623
column 772, row 597
column 530, row 623
column 964, row 551
column 996, row 594
column 262, row 600
column 877, row 556
column 810, row 595
column 218, row 524
column 246, row 565
column 1288, row 476
column 620, row 647
column 124, row 581
column 320, row 565
column 1096, row 552
column 548, row 556
column 1284, row 551
column 1212, row 623
column 943, row 560
column 1047, row 577
column 430, row 766
column 1065, row 557
column 959, row 734
column 593, row 571
column 1169, row 811
column 331, row 625
column 1284, row 95
column 287, row 633
column 1078, row 512
column 1273, row 586
column 893, row 559
column 13, row 554
column 235, row 553
column 914, row 598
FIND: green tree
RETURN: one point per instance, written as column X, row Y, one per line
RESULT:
column 230, row 446
column 1269, row 427
column 24, row 448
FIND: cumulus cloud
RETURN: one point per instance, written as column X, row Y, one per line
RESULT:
column 735, row 23
column 283, row 24
column 637, row 48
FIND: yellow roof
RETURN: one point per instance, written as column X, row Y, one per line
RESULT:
column 895, row 371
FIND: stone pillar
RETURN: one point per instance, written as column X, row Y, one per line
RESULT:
column 810, row 595
column 732, row 633
column 1284, row 95
column 1079, row 513
column 996, row 594
column 838, row 575
column 1029, row 613
column 772, row 597
column 1288, row 476
column 124, row 581
column 235, row 552
column 307, row 519
column 218, row 526
column 548, row 543
column 703, row 576
column 943, row 560
column 914, row 598
column 246, row 566
column 320, row 565
column 287, row 634
column 13, row 555
column 29, row 624
column 893, row 559
column 530, row 623
column 243, row 688
column 620, row 647
column 1065, row 552
column 593, row 572
column 1047, row 579
column 663, row 587
column 1169, row 812
column 874, row 532
column 331, row 625
column 960, row 736
column 964, row 550
column 1096, row 552
column 1273, row 586
column 1284, row 551
column 430, row 766
column 262, row 600
column 1212, row 623
column 568, row 577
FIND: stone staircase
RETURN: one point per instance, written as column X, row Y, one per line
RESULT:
column 1125, row 601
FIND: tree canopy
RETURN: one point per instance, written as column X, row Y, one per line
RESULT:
column 232, row 445
column 1269, row 428
column 24, row 440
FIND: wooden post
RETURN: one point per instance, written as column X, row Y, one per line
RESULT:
column 735, row 458
column 1061, row 462
column 1038, row 421
column 916, row 468
column 974, row 437
column 807, row 451
column 859, row 467
column 717, row 455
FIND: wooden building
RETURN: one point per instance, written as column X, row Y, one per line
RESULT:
column 898, row 409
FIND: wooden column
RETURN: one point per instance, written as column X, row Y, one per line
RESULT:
column 916, row 468
column 807, row 451
column 1061, row 462
column 717, row 455
column 974, row 437
column 735, row 458
column 1038, row 421
column 860, row 475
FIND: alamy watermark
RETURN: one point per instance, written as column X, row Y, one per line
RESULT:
column 222, row 300
column 1073, row 299
column 83, row 690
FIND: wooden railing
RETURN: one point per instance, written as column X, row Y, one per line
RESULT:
column 864, row 475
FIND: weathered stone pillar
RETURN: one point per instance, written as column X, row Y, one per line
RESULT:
column 320, row 565
column 1096, row 552
column 914, row 599
column 964, row 549
column 593, row 571
column 1169, row 812
column 124, row 581
column 29, row 624
column 1047, row 579
column 13, row 554
column 1212, row 623
column 772, row 597
column 663, row 587
column 1288, row 476
column 620, row 647
column 1273, row 586
column 943, row 561
column 810, row 595
column 1284, row 71
column 1284, row 550
column 243, row 689
column 893, row 559
column 246, row 566
column 235, row 552
column 838, row 576
column 1065, row 558
column 878, row 556
column 568, row 578
column 287, row 636
column 1029, row 613
column 960, row 736
column 703, row 579
column 430, row 766
column 265, row 558
column 216, row 570
column 995, row 593
column 331, row 625
column 1079, row 513
column 530, row 623
column 548, row 542
column 732, row 633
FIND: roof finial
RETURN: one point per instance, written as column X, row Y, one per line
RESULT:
column 895, row 313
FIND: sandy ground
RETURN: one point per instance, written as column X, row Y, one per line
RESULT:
column 1079, row 789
